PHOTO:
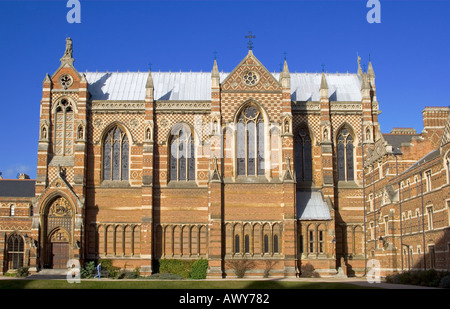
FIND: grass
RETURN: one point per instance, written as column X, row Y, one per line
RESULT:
column 170, row 284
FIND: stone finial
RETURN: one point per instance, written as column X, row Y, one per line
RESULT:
column 149, row 83
column 47, row 79
column 370, row 71
column 323, row 82
column 360, row 72
column 68, row 54
column 365, row 82
column 285, row 76
column 323, row 87
column 215, row 70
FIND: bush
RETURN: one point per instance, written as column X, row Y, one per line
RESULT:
column 445, row 282
column 240, row 267
column 126, row 274
column 176, row 267
column 199, row 269
column 308, row 271
column 108, row 270
column 88, row 270
column 429, row 277
column 22, row 272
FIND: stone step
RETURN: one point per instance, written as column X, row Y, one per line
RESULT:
column 49, row 274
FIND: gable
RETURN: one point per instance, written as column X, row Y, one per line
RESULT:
column 242, row 78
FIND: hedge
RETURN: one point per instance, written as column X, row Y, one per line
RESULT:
column 194, row 269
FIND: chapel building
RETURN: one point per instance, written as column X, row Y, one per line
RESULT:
column 280, row 169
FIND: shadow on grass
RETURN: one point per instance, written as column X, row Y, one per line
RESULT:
column 173, row 284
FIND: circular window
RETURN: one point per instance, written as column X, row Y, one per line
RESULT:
column 66, row 80
column 251, row 78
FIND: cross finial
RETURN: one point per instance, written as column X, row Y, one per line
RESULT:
column 323, row 67
column 284, row 55
column 250, row 37
column 215, row 55
column 150, row 66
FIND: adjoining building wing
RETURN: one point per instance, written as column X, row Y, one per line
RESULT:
column 17, row 188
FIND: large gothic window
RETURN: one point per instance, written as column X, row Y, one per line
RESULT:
column 303, row 156
column 182, row 155
column 345, row 155
column 116, row 155
column 15, row 251
column 64, row 122
column 250, row 142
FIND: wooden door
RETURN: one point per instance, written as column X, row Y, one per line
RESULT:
column 60, row 254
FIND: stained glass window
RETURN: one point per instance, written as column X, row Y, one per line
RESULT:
column 250, row 142
column 116, row 150
column 182, row 156
column 303, row 156
column 345, row 156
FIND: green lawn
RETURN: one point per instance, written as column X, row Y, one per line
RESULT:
column 170, row 284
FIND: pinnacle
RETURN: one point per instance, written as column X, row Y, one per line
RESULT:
column 215, row 70
column 149, row 83
column 323, row 82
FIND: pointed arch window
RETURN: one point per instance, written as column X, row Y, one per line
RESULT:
column 116, row 150
column 182, row 155
column 15, row 251
column 275, row 244
column 250, row 142
column 345, row 155
column 303, row 155
column 64, row 122
column 236, row 244
column 246, row 243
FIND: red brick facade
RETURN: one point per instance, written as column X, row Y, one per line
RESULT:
column 109, row 186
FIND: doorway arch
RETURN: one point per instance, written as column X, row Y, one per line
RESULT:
column 57, row 236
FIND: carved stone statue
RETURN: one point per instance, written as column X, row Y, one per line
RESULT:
column 325, row 134
column 44, row 133
column 68, row 52
column 286, row 126
column 68, row 58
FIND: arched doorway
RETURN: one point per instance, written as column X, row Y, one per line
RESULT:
column 59, row 242
column 58, row 233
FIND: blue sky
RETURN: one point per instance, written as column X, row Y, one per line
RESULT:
column 409, row 49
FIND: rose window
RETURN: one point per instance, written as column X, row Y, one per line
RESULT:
column 251, row 78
